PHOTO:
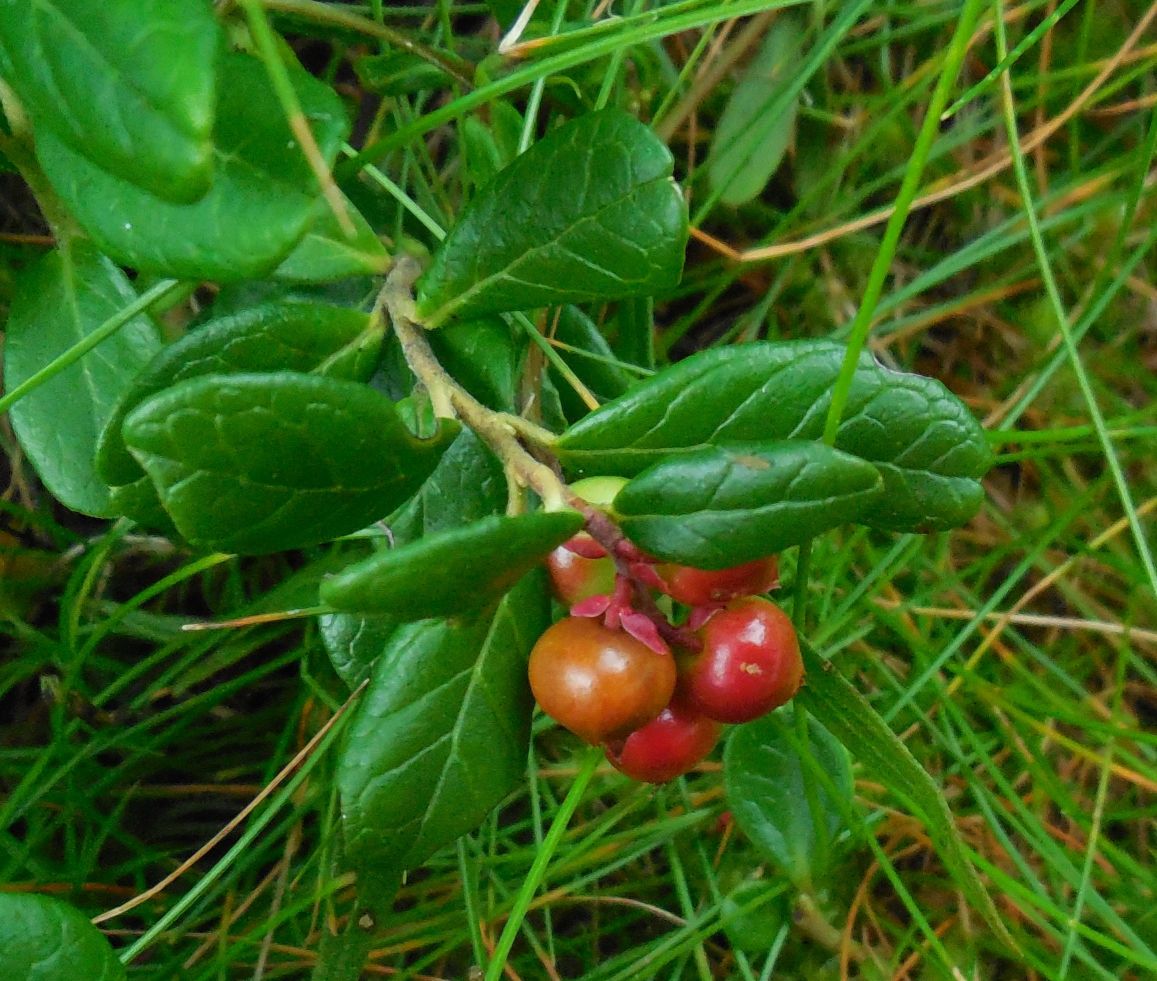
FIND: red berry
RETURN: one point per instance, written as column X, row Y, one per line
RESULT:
column 699, row 587
column 750, row 662
column 575, row 577
column 667, row 746
column 599, row 683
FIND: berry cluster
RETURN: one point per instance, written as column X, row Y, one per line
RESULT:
column 618, row 673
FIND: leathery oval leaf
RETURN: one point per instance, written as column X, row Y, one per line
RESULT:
column 261, row 202
column 468, row 483
column 44, row 939
column 482, row 356
column 262, row 462
column 354, row 643
column 724, row 505
column 139, row 501
column 441, row 734
column 59, row 302
column 767, row 778
column 586, row 351
column 928, row 447
column 589, row 212
column 451, row 572
column 276, row 336
column 326, row 253
column 130, row 84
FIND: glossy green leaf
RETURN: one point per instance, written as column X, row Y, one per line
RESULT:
column 59, row 301
column 354, row 643
column 777, row 800
column 263, row 462
column 487, row 147
column 928, row 447
column 43, row 939
column 450, row 572
column 138, row 500
column 261, row 202
column 587, row 353
column 131, row 84
column 467, row 484
column 758, row 121
column 588, row 212
column 281, row 336
column 852, row 720
column 481, row 157
column 480, row 355
column 724, row 505
column 441, row 735
column 357, row 292
column 550, row 408
column 326, row 253
column 634, row 340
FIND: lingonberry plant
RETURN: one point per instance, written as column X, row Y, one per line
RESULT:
column 394, row 390
column 666, row 747
column 749, row 663
column 580, row 567
column 700, row 587
column 601, row 684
